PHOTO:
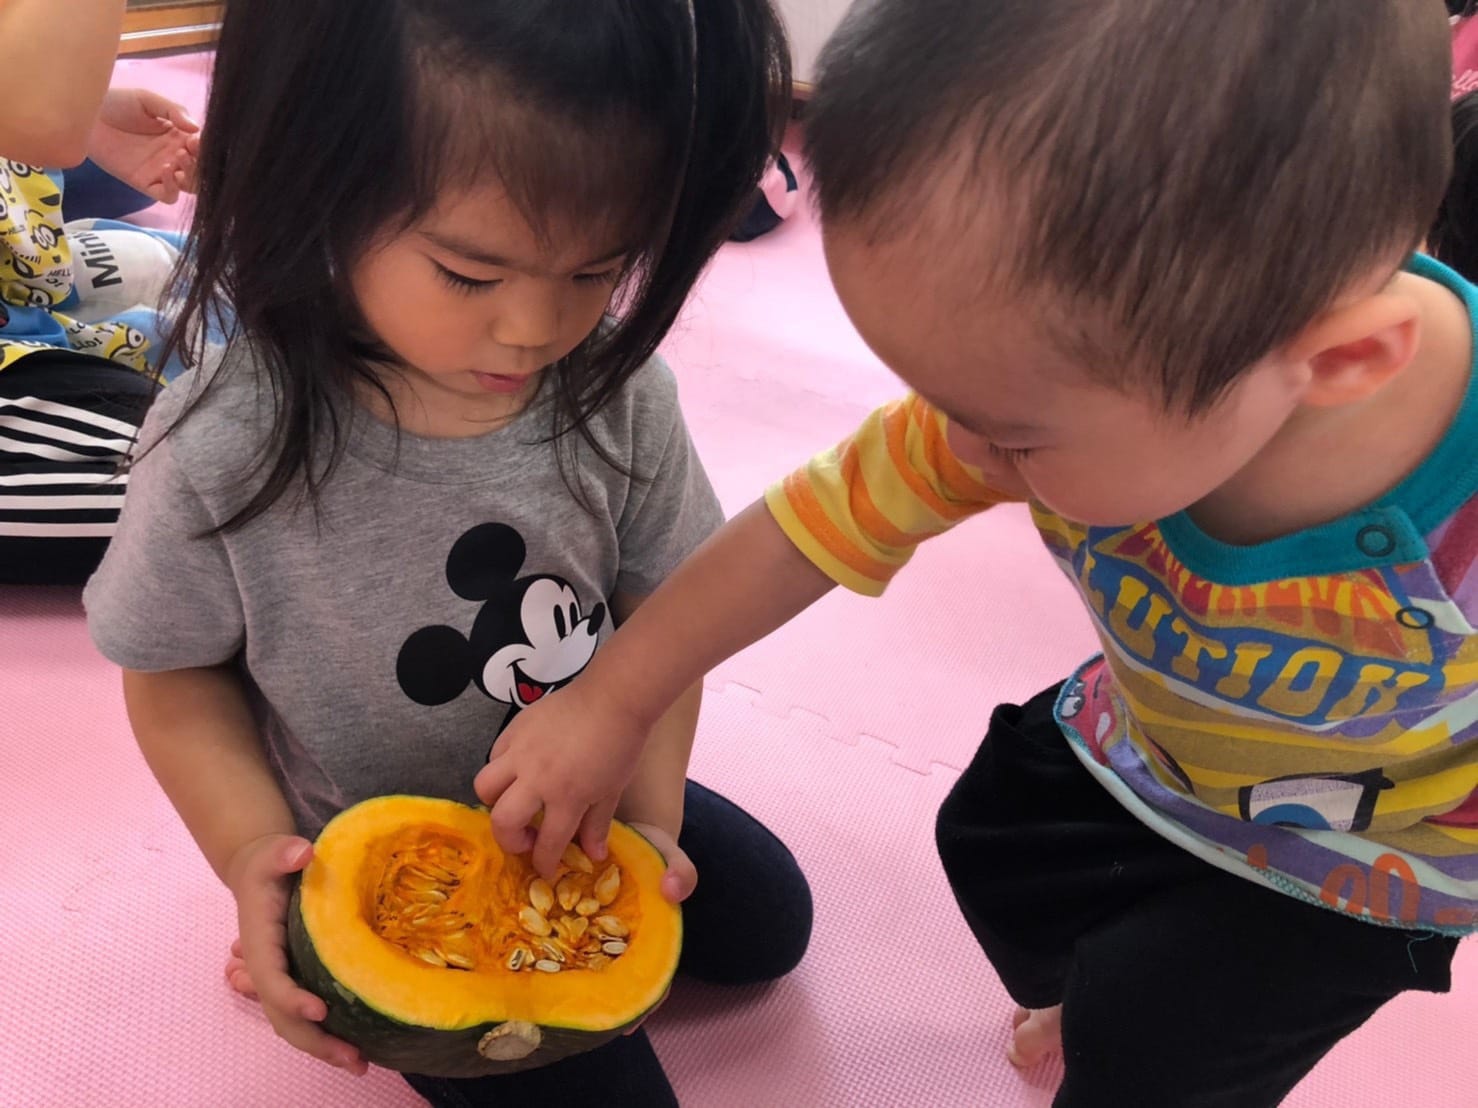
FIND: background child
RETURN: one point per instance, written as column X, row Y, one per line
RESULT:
column 78, row 324
column 1143, row 265
column 423, row 418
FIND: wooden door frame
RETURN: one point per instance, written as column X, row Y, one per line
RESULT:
column 173, row 26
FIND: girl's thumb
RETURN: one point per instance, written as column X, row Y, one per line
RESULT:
column 296, row 854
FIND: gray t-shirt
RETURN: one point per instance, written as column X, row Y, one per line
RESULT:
column 442, row 585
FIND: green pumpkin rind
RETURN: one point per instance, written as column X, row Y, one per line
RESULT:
column 387, row 1042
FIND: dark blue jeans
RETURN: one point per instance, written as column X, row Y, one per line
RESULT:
column 748, row 921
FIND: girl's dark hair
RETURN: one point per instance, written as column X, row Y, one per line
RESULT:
column 331, row 121
column 1454, row 236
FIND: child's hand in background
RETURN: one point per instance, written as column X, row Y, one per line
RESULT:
column 259, row 876
column 146, row 141
column 570, row 757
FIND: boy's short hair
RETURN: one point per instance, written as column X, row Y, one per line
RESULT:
column 1191, row 184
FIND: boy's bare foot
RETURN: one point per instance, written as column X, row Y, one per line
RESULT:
column 237, row 975
column 1038, row 1033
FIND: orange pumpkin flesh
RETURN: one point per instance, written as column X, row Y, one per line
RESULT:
column 430, row 948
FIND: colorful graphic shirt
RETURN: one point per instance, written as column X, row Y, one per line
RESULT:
column 87, row 286
column 1303, row 712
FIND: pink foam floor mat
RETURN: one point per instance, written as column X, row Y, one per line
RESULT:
column 843, row 732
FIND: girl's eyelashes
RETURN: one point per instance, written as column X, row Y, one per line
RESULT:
column 605, row 277
column 1006, row 454
column 460, row 282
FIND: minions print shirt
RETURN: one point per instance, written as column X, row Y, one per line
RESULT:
column 1303, row 713
column 88, row 287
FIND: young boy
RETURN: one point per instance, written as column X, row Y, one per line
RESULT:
column 1148, row 265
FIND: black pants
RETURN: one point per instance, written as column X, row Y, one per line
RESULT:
column 66, row 423
column 748, row 921
column 1181, row 985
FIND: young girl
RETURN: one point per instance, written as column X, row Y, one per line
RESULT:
column 438, row 460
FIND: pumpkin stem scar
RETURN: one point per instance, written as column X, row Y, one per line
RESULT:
column 511, row 1041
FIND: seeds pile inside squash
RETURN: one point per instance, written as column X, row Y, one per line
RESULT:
column 431, row 900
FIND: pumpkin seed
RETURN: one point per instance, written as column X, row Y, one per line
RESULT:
column 430, row 957
column 614, row 948
column 541, row 896
column 588, row 907
column 597, row 962
column 553, row 952
column 460, row 961
column 608, row 885
column 518, row 959
column 546, row 966
column 572, row 928
column 576, row 858
column 534, row 922
column 612, row 926
column 568, row 891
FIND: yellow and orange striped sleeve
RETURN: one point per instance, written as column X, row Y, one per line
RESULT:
column 859, row 510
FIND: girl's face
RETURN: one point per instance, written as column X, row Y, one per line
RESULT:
column 475, row 305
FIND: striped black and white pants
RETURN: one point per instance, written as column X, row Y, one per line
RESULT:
column 67, row 421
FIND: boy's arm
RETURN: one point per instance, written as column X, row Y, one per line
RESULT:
column 853, row 516
column 580, row 748
column 61, row 61
column 653, row 802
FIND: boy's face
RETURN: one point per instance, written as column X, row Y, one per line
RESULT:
column 1023, row 411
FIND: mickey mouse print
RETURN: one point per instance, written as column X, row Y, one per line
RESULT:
column 532, row 635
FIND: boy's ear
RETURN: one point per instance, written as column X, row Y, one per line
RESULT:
column 1354, row 349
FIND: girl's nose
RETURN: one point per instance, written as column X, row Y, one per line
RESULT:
column 530, row 315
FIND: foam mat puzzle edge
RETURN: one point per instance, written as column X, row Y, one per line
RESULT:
column 896, row 753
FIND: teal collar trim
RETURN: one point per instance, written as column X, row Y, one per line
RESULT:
column 1389, row 532
column 1449, row 476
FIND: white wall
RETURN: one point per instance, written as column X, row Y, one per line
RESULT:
column 810, row 23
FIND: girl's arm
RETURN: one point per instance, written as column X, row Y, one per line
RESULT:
column 196, row 731
column 198, row 736
column 61, row 61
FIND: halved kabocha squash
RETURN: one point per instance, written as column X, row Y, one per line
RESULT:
column 436, row 953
